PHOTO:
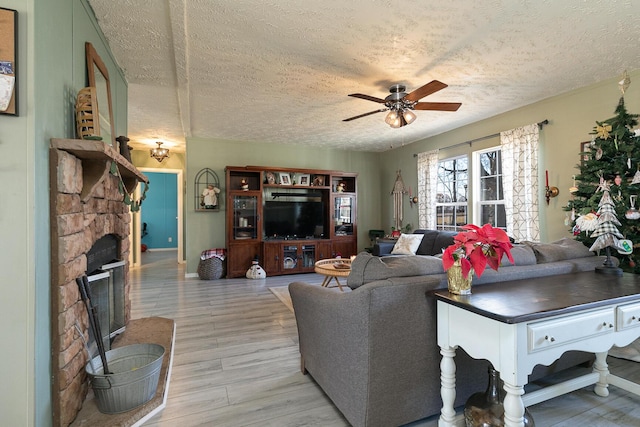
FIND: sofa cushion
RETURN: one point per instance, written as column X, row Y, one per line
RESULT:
column 559, row 250
column 407, row 244
column 521, row 254
column 367, row 268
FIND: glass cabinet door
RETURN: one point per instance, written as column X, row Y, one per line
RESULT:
column 343, row 215
column 308, row 256
column 245, row 217
column 290, row 257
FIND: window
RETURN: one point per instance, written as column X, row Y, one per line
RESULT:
column 451, row 199
column 490, row 199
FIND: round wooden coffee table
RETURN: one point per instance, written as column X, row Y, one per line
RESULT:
column 332, row 269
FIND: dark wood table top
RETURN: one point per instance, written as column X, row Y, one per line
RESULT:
column 518, row 301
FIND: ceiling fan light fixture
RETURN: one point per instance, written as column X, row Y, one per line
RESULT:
column 391, row 117
column 159, row 153
column 409, row 116
column 397, row 122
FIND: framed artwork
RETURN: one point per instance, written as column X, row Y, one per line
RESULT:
column 585, row 148
column 284, row 178
column 8, row 66
column 270, row 178
column 304, row 179
column 318, row 180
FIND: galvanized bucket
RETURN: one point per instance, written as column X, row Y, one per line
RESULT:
column 135, row 370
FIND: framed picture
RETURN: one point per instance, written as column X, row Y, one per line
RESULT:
column 304, row 179
column 585, row 148
column 318, row 181
column 8, row 67
column 284, row 178
column 270, row 178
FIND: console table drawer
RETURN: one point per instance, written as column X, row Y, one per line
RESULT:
column 628, row 316
column 551, row 333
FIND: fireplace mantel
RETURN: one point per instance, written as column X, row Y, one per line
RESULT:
column 96, row 158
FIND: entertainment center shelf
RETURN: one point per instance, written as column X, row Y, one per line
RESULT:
column 288, row 218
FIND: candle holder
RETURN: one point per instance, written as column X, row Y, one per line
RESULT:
column 550, row 192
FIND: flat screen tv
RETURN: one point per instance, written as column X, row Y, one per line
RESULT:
column 299, row 219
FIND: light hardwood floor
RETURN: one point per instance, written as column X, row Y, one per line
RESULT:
column 237, row 364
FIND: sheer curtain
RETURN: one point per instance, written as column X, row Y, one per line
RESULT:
column 520, row 180
column 427, row 182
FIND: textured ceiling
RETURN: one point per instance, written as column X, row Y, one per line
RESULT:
column 280, row 70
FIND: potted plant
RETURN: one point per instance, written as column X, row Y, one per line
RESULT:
column 396, row 232
column 472, row 250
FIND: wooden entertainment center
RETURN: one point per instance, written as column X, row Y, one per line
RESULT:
column 288, row 218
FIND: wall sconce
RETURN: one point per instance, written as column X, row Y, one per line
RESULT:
column 159, row 153
column 549, row 192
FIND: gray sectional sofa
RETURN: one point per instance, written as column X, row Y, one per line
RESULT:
column 374, row 350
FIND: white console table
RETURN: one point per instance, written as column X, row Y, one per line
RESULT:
column 519, row 324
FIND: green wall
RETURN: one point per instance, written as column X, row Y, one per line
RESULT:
column 571, row 116
column 206, row 229
column 51, row 70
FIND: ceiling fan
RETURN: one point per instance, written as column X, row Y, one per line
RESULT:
column 400, row 104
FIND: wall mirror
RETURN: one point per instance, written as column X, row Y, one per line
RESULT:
column 99, row 78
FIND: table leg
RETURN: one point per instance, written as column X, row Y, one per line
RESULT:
column 600, row 366
column 326, row 280
column 339, row 285
column 447, row 386
column 513, row 405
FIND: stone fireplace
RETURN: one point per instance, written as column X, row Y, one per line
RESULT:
column 86, row 206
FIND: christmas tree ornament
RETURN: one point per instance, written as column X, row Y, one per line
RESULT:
column 587, row 222
column 573, row 189
column 636, row 178
column 599, row 153
column 632, row 213
column 602, row 130
column 625, row 82
column 566, row 219
column 617, row 179
column 625, row 247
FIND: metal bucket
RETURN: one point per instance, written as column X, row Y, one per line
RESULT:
column 135, row 370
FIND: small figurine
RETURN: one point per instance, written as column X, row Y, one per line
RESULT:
column 340, row 188
column 255, row 271
column 209, row 198
column 244, row 185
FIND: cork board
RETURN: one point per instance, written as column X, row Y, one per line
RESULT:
column 8, row 67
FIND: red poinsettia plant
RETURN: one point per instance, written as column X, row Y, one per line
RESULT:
column 477, row 247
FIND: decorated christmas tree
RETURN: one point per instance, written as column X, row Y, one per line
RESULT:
column 602, row 204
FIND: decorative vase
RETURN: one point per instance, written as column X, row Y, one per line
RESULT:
column 457, row 283
column 485, row 409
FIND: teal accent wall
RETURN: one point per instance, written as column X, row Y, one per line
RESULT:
column 51, row 69
column 160, row 210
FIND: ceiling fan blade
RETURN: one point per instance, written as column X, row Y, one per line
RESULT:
column 438, row 106
column 365, row 114
column 368, row 97
column 425, row 90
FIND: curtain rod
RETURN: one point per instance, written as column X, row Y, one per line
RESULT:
column 482, row 138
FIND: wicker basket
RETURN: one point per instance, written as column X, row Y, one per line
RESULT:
column 87, row 122
column 211, row 268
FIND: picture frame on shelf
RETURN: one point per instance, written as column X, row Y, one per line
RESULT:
column 270, row 177
column 318, row 181
column 303, row 179
column 285, row 179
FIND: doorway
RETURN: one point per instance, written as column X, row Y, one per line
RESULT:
column 162, row 212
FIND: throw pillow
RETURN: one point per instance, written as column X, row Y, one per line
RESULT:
column 407, row 244
column 521, row 254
